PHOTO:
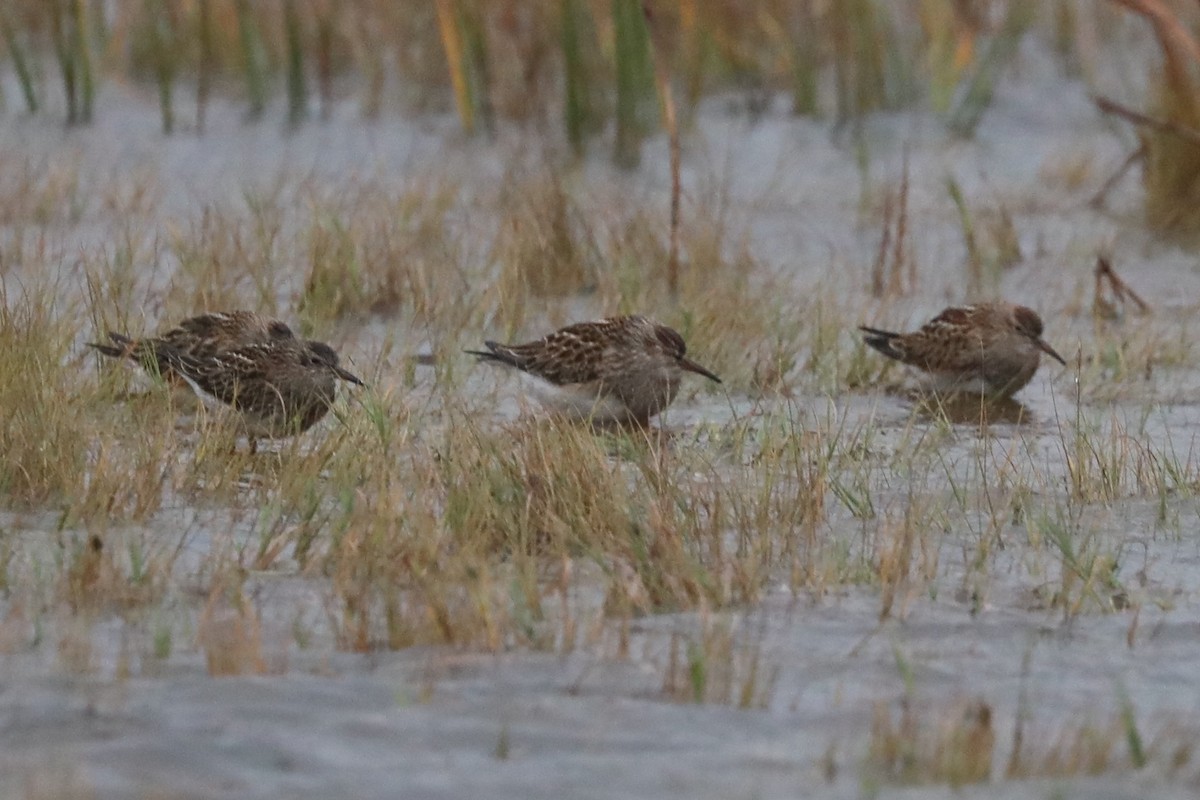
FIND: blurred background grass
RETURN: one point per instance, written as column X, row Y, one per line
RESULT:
column 605, row 73
column 578, row 64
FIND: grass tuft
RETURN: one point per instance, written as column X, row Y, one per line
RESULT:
column 45, row 449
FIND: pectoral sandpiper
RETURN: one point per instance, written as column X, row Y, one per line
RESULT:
column 988, row 348
column 281, row 384
column 617, row 370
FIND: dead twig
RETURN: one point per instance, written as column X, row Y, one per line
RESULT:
column 1121, row 290
column 1137, row 155
column 1177, row 43
column 662, row 76
column 893, row 262
column 1138, row 118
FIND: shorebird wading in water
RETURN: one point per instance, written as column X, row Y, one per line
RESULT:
column 612, row 371
column 280, row 384
column 988, row 348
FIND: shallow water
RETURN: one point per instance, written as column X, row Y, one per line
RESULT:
column 598, row 722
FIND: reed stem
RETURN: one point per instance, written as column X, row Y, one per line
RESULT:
column 20, row 61
column 577, row 109
column 662, row 77
column 474, row 35
column 635, row 80
column 207, row 57
column 805, row 62
column 66, row 60
column 1001, row 50
column 256, row 90
column 297, row 90
column 162, row 42
column 82, row 57
column 450, row 30
column 325, row 32
column 368, row 54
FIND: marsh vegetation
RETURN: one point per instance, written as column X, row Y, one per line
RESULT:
column 803, row 577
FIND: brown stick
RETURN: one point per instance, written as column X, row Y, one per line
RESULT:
column 1121, row 289
column 325, row 33
column 205, row 67
column 1138, row 118
column 877, row 269
column 1170, row 31
column 662, row 76
column 1177, row 44
column 899, row 255
column 1098, row 198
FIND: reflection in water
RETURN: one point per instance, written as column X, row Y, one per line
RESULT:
column 972, row 409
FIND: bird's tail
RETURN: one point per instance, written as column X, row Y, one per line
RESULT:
column 499, row 354
column 883, row 341
column 157, row 358
column 122, row 346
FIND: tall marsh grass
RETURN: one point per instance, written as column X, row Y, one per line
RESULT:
column 588, row 62
column 46, row 450
column 418, row 515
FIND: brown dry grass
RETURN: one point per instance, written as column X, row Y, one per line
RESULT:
column 418, row 518
column 424, row 517
column 957, row 744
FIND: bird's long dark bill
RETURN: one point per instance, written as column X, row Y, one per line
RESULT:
column 347, row 376
column 1048, row 350
column 692, row 366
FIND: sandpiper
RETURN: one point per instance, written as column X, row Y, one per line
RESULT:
column 281, row 384
column 198, row 337
column 988, row 348
column 610, row 371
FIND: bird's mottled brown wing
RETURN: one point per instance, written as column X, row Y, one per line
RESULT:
column 275, row 383
column 561, row 358
column 953, row 341
column 240, row 376
column 954, row 317
column 229, row 329
column 574, row 354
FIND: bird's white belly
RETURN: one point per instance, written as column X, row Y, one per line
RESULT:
column 576, row 402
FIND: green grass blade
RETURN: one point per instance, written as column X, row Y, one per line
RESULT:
column 82, row 57
column 66, row 60
column 256, row 88
column 635, row 80
column 1003, row 48
column 297, row 90
column 20, row 61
